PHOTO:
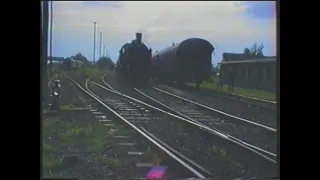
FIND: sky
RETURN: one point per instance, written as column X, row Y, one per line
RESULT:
column 230, row 26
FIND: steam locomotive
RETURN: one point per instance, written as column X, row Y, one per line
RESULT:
column 134, row 63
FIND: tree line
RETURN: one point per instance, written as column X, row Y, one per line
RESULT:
column 104, row 61
column 255, row 51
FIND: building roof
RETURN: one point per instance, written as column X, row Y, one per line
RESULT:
column 234, row 57
column 231, row 58
column 242, row 57
column 59, row 62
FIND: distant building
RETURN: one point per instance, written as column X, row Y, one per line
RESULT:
column 72, row 64
column 252, row 72
column 55, row 60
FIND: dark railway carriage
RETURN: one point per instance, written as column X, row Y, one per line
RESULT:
column 187, row 61
column 134, row 63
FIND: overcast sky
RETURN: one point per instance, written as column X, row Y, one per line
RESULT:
column 229, row 25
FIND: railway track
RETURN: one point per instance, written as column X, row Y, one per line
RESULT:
column 144, row 149
column 257, row 100
column 257, row 136
column 242, row 109
column 210, row 133
column 252, row 101
column 254, row 135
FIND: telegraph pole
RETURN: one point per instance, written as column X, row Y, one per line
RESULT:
column 51, row 22
column 104, row 50
column 107, row 54
column 100, row 47
column 94, row 43
column 45, row 23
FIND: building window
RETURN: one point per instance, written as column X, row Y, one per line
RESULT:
column 259, row 74
column 268, row 73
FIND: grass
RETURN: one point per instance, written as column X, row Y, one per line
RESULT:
column 91, row 73
column 61, row 136
column 68, row 107
column 109, row 162
column 213, row 86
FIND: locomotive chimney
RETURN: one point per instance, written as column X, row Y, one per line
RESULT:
column 173, row 44
column 138, row 37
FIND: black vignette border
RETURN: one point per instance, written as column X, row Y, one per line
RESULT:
column 19, row 78
column 294, row 77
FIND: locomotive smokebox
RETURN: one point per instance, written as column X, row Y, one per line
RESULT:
column 138, row 37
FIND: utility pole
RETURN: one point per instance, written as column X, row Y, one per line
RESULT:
column 100, row 47
column 51, row 22
column 104, row 50
column 94, row 43
column 107, row 54
column 45, row 23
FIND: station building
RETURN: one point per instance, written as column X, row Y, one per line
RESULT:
column 252, row 72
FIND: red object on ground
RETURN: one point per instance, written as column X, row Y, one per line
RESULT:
column 156, row 172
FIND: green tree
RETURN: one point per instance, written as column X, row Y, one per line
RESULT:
column 66, row 61
column 80, row 57
column 260, row 50
column 255, row 50
column 107, row 62
column 247, row 52
column 214, row 70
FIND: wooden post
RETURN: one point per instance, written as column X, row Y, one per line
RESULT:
column 45, row 23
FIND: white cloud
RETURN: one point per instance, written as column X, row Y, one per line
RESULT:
column 162, row 22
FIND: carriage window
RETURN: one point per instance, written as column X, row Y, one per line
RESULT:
column 174, row 53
